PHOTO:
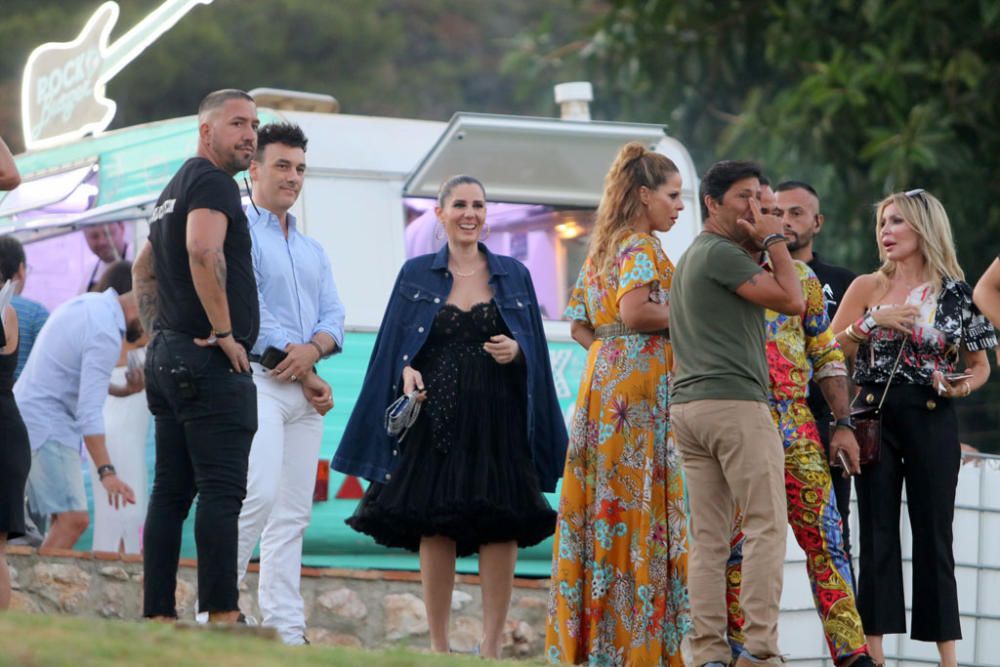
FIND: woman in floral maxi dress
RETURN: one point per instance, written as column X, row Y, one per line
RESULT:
column 619, row 567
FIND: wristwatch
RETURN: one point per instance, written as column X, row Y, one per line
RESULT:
column 846, row 422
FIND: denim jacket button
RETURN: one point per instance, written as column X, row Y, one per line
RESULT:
column 420, row 329
column 437, row 300
column 519, row 305
column 405, row 357
column 388, row 476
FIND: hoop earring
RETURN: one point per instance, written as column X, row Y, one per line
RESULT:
column 486, row 228
column 437, row 236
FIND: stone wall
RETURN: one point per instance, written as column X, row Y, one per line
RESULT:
column 360, row 608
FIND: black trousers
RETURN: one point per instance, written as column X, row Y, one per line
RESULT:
column 206, row 416
column 841, row 490
column 920, row 448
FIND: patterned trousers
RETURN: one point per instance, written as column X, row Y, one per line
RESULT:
column 813, row 516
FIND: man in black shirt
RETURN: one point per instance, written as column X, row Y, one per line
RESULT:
column 196, row 290
column 799, row 207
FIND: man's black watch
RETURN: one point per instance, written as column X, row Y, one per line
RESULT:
column 105, row 470
column 846, row 422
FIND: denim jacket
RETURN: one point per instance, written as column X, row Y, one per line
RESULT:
column 421, row 289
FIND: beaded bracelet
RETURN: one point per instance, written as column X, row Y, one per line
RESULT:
column 771, row 239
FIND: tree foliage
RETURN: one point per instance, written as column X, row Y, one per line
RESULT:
column 860, row 97
column 411, row 58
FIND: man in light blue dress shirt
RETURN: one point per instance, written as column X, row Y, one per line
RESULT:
column 302, row 316
column 60, row 394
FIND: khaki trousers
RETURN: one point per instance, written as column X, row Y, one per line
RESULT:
column 732, row 456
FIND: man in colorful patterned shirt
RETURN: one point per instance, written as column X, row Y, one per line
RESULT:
column 800, row 347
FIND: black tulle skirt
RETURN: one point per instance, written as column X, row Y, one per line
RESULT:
column 465, row 470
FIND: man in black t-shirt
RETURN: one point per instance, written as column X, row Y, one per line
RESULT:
column 196, row 289
column 799, row 206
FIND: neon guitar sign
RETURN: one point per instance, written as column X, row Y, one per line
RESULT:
column 62, row 91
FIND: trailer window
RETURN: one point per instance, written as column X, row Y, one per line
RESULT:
column 550, row 241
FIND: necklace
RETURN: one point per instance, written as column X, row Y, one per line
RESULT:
column 462, row 274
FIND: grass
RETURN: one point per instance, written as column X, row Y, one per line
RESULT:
column 73, row 641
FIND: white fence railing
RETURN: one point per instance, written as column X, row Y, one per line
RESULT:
column 977, row 570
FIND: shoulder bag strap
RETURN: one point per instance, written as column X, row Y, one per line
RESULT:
column 899, row 357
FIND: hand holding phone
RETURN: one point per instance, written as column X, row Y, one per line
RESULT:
column 272, row 357
column 845, row 468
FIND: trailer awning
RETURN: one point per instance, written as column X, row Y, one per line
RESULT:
column 535, row 160
column 47, row 226
column 71, row 189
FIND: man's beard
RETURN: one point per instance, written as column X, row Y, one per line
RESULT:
column 796, row 242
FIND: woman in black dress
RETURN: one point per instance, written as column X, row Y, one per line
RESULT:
column 468, row 477
column 15, row 453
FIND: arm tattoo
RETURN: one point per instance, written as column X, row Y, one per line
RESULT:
column 836, row 391
column 148, row 305
column 145, row 288
column 220, row 269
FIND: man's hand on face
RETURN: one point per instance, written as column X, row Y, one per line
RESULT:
column 761, row 225
column 298, row 364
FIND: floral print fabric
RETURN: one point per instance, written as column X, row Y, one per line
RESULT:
column 619, row 567
column 797, row 347
column 948, row 321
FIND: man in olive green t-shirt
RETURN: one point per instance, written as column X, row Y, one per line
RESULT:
column 730, row 448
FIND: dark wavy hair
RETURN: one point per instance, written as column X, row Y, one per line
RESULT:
column 721, row 176
column 287, row 134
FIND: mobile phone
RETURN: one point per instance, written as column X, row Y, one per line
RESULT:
column 184, row 379
column 952, row 378
column 843, row 463
column 272, row 357
column 134, row 360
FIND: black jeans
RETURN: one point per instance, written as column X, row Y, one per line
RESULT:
column 206, row 417
column 920, row 448
column 841, row 490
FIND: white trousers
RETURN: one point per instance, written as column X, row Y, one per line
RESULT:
column 280, row 483
column 126, row 427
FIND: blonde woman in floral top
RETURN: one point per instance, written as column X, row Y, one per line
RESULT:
column 914, row 314
column 619, row 567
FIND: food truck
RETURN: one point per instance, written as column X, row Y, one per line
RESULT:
column 368, row 198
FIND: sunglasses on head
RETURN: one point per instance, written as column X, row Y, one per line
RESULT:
column 918, row 193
